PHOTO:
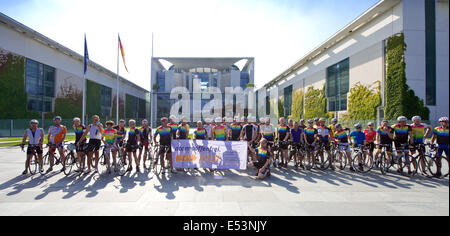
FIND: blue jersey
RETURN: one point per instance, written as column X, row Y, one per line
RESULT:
column 296, row 135
column 359, row 137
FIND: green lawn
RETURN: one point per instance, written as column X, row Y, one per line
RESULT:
column 19, row 141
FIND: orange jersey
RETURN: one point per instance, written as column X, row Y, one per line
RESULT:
column 57, row 133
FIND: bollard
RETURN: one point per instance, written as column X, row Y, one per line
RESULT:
column 11, row 129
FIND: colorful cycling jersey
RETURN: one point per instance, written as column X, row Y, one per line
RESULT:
column 132, row 136
column 184, row 131
column 144, row 132
column 370, row 135
column 165, row 135
column 296, row 135
column 384, row 136
column 324, row 133
column 220, row 132
column 442, row 135
column 342, row 136
column 358, row 136
column 310, row 135
column 282, row 132
column 332, row 131
column 79, row 131
column 263, row 155
column 120, row 133
column 235, row 131
column 110, row 135
column 174, row 128
column 200, row 133
column 401, row 133
column 418, row 132
column 268, row 132
column 57, row 133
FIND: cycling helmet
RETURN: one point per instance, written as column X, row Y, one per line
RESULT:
column 443, row 119
column 338, row 126
column 358, row 126
column 302, row 120
column 219, row 120
column 322, row 119
column 164, row 119
column 416, row 118
column 334, row 120
column 316, row 119
column 34, row 122
column 310, row 121
column 371, row 124
column 76, row 119
column 57, row 118
column 402, row 118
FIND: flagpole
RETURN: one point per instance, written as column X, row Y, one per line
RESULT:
column 84, row 85
column 117, row 83
column 151, row 97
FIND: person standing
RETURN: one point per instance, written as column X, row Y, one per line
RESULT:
column 35, row 136
column 95, row 131
column 56, row 136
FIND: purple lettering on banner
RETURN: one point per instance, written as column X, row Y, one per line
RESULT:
column 188, row 154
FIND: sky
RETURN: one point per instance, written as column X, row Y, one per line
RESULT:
column 277, row 33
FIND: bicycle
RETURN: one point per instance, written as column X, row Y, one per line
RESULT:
column 322, row 162
column 362, row 162
column 340, row 157
column 436, row 163
column 51, row 151
column 162, row 151
column 34, row 164
column 151, row 156
column 71, row 159
column 382, row 160
column 309, row 161
column 297, row 150
column 405, row 160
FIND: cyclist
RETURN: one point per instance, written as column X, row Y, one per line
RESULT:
column 35, row 136
column 220, row 130
column 419, row 132
column 341, row 137
column 261, row 160
column 200, row 133
column 208, row 128
column 173, row 126
column 56, row 135
column 121, row 131
column 316, row 122
column 302, row 124
column 310, row 137
column 282, row 133
column 324, row 134
column 133, row 139
column 358, row 138
column 296, row 138
column 267, row 132
column 291, row 123
column 371, row 135
column 332, row 126
column 440, row 135
column 183, row 129
column 110, row 141
column 385, row 135
column 402, row 136
column 165, row 139
column 95, row 131
column 146, row 135
column 235, row 130
column 79, row 130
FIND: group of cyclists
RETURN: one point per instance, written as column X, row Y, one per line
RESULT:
column 269, row 145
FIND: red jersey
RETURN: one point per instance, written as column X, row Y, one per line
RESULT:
column 370, row 136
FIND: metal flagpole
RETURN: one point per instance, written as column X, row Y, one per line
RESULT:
column 117, row 83
column 84, row 85
column 151, row 96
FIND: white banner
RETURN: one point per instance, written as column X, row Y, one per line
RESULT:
column 188, row 154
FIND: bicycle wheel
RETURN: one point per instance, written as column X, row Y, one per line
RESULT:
column 122, row 166
column 157, row 165
column 340, row 160
column 384, row 163
column 362, row 164
column 422, row 166
column 308, row 162
column 103, row 163
column 149, row 161
column 322, row 163
column 68, row 163
column 33, row 165
column 445, row 167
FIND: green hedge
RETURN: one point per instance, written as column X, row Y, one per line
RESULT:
column 93, row 98
column 297, row 105
column 13, row 104
column 316, row 103
column 400, row 99
column 363, row 102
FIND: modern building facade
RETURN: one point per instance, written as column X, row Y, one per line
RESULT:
column 356, row 54
column 39, row 75
column 170, row 73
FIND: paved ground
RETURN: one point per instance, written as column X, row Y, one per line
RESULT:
column 285, row 193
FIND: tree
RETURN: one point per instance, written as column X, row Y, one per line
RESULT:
column 280, row 108
column 364, row 101
column 316, row 103
column 297, row 105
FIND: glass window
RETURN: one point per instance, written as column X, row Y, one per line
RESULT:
column 245, row 79
column 267, row 105
column 338, row 83
column 288, row 101
column 106, row 100
column 39, row 85
column 161, row 80
column 430, row 61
